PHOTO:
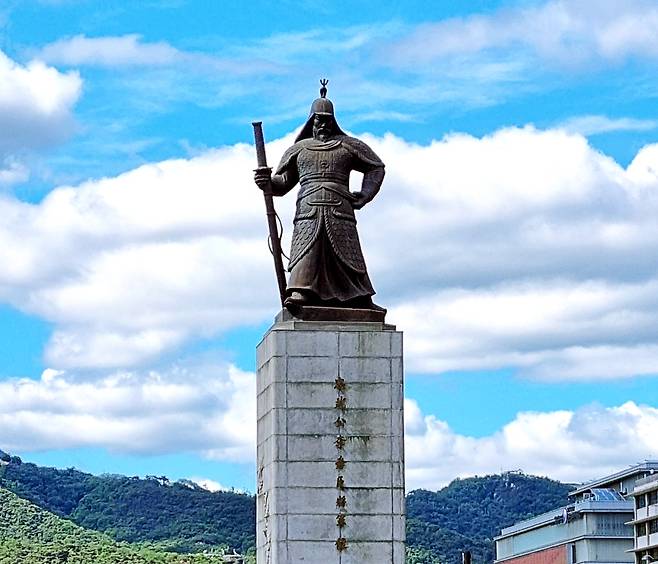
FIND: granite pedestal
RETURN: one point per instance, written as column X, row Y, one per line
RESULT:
column 330, row 444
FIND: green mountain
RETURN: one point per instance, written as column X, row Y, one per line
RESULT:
column 468, row 513
column 31, row 535
column 182, row 517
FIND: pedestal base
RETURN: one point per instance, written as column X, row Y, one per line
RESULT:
column 330, row 444
column 334, row 314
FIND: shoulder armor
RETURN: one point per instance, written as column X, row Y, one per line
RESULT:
column 290, row 154
column 362, row 151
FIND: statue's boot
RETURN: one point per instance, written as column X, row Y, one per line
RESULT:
column 296, row 299
column 376, row 307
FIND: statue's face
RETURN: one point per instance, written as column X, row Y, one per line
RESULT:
column 323, row 127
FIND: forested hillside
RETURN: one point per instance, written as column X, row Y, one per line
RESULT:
column 31, row 535
column 189, row 517
column 183, row 517
column 468, row 513
column 179, row 515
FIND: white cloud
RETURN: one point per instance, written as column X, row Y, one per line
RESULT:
column 551, row 330
column 36, row 103
column 208, row 409
column 130, row 267
column 124, row 50
column 525, row 249
column 13, row 172
column 478, row 60
column 585, row 444
column 205, row 408
column 213, row 486
column 522, row 249
column 566, row 31
column 289, row 46
column 595, row 124
column 167, row 62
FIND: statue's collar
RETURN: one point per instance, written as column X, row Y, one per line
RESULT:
column 317, row 145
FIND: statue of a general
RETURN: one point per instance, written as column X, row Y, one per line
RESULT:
column 326, row 263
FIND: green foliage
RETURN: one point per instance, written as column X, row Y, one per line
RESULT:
column 58, row 491
column 190, row 519
column 468, row 513
column 417, row 555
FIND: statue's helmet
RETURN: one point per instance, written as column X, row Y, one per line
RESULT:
column 321, row 106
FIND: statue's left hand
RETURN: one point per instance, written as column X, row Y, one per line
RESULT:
column 360, row 200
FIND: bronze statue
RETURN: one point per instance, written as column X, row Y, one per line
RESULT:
column 326, row 265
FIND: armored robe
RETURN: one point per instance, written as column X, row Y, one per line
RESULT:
column 325, row 257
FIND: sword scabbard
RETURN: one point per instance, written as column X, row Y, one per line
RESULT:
column 275, row 238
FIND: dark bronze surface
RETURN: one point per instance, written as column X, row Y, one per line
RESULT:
column 275, row 237
column 328, row 277
column 320, row 313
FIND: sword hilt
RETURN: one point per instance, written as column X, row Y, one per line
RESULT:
column 260, row 144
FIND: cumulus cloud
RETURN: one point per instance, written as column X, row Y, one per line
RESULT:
column 584, row 444
column 566, row 31
column 132, row 266
column 525, row 249
column 36, row 103
column 205, row 408
column 553, row 331
column 208, row 408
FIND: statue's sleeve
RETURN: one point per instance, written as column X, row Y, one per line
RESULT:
column 286, row 175
column 372, row 167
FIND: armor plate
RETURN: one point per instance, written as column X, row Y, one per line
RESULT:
column 324, row 204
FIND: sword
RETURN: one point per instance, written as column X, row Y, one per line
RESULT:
column 274, row 238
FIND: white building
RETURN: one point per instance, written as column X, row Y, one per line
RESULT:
column 645, row 521
column 594, row 527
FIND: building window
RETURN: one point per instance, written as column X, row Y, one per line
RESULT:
column 640, row 529
column 653, row 526
column 573, row 554
column 653, row 497
column 640, row 501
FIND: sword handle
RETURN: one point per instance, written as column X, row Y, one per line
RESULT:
column 260, row 144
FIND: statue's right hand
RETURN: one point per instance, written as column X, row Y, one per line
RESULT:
column 262, row 177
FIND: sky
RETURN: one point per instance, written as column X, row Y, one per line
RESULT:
column 514, row 240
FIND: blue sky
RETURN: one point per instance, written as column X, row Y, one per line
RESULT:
column 514, row 239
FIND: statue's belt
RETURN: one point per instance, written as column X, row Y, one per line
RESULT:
column 340, row 190
column 332, row 176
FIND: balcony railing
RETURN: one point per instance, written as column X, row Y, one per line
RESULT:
column 646, row 480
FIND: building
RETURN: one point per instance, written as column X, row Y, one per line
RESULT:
column 645, row 520
column 595, row 526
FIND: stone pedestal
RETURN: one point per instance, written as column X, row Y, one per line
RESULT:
column 330, row 444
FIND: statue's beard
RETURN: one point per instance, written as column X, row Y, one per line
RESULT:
column 323, row 133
